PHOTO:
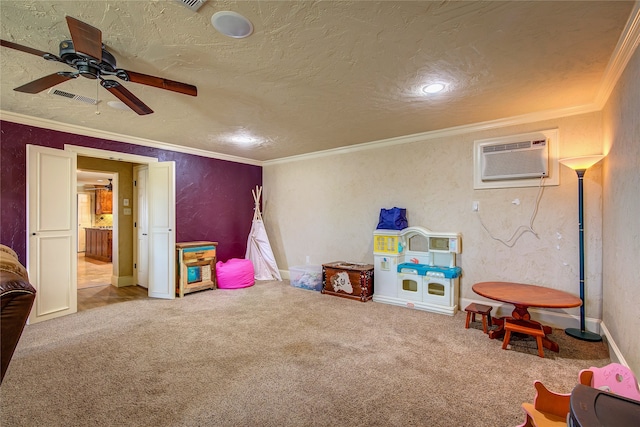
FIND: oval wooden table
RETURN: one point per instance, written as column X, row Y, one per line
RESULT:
column 522, row 297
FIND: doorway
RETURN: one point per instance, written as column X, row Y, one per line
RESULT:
column 96, row 225
column 143, row 218
column 52, row 245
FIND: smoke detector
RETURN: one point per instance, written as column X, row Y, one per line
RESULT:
column 192, row 4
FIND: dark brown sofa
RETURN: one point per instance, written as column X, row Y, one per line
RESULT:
column 16, row 299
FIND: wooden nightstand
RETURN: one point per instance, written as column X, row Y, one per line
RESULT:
column 196, row 266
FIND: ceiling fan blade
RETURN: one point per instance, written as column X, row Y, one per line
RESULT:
column 159, row 82
column 21, row 48
column 125, row 96
column 45, row 82
column 87, row 40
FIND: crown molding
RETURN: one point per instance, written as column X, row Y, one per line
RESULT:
column 626, row 47
column 112, row 136
column 405, row 139
column 443, row 133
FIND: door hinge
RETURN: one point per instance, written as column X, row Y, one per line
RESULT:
column 135, row 224
column 135, row 183
column 135, row 265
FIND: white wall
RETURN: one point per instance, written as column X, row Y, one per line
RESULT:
column 327, row 208
column 621, row 214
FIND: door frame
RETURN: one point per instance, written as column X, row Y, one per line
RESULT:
column 115, row 266
column 112, row 155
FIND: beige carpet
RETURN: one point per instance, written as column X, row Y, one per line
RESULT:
column 274, row 355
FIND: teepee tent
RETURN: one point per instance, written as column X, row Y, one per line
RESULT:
column 258, row 246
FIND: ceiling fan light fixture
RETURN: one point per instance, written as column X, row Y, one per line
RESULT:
column 232, row 24
column 86, row 53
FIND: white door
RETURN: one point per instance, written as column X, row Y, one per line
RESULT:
column 142, row 227
column 84, row 219
column 162, row 225
column 52, row 233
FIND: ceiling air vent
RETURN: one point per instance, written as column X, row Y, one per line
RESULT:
column 80, row 98
column 192, row 4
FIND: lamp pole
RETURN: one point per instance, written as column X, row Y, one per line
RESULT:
column 581, row 333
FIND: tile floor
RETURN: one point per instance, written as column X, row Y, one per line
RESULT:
column 92, row 272
column 94, row 285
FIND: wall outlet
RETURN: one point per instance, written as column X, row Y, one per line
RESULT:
column 475, row 207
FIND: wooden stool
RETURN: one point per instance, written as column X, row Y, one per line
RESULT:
column 485, row 310
column 523, row 327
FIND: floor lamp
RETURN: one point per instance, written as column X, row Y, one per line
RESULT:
column 580, row 165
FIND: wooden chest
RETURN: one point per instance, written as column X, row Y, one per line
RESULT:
column 348, row 280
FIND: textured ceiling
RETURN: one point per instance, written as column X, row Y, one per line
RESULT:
column 317, row 75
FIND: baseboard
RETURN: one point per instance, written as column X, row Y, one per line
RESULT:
column 554, row 319
column 122, row 281
column 614, row 350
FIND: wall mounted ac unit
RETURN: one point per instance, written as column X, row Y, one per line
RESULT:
column 516, row 160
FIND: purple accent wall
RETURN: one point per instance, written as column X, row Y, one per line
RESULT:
column 213, row 197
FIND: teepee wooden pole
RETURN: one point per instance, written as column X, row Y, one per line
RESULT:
column 257, row 215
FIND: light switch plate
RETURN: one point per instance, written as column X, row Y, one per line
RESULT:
column 127, row 211
column 125, row 202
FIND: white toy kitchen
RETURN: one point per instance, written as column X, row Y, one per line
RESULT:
column 416, row 268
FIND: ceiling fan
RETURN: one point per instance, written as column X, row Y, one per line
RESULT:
column 89, row 57
column 108, row 187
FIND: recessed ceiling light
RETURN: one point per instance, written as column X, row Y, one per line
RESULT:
column 433, row 88
column 232, row 24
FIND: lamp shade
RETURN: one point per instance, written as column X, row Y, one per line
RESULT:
column 581, row 163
